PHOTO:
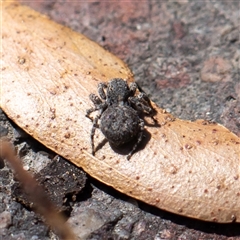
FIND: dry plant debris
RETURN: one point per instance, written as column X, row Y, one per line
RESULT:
column 35, row 193
column 48, row 71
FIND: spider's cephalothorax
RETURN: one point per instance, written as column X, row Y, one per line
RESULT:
column 119, row 112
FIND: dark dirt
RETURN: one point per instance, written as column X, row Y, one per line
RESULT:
column 62, row 182
column 185, row 55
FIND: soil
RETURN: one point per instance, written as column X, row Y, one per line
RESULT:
column 185, row 56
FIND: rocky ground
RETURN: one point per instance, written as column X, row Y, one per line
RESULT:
column 185, row 56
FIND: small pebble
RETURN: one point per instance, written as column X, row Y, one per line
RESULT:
column 3, row 131
column 5, row 219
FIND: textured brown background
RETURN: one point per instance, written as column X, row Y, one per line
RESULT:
column 185, row 55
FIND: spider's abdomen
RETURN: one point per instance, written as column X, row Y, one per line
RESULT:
column 119, row 124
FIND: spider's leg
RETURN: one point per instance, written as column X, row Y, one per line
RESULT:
column 95, row 126
column 141, row 102
column 101, row 92
column 133, row 87
column 98, row 104
column 95, row 99
column 139, row 139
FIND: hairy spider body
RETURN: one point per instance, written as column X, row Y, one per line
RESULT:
column 120, row 132
column 119, row 113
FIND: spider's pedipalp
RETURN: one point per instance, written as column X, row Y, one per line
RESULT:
column 98, row 104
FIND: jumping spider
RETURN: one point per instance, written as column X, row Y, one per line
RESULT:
column 119, row 112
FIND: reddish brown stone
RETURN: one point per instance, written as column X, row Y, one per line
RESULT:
column 216, row 69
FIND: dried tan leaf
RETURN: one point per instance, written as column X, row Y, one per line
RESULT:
column 48, row 71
